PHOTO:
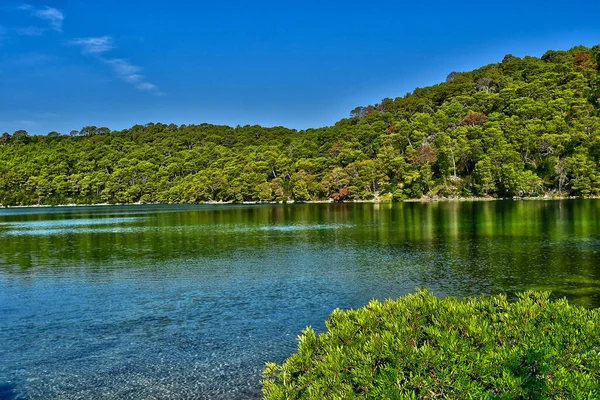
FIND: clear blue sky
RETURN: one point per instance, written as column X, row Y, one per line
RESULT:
column 69, row 63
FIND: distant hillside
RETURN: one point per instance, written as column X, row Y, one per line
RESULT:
column 521, row 127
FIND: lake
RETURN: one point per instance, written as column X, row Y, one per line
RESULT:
column 177, row 301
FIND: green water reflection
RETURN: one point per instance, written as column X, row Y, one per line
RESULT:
column 498, row 246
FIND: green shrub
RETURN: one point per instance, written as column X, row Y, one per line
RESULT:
column 423, row 347
column 386, row 198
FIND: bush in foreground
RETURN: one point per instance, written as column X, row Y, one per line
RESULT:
column 423, row 347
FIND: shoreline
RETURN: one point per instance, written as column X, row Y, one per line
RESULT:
column 373, row 201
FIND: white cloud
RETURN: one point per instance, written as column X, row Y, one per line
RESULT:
column 32, row 59
column 20, row 123
column 54, row 17
column 125, row 68
column 51, row 15
column 94, row 45
column 31, row 31
column 134, row 78
column 147, row 86
column 131, row 74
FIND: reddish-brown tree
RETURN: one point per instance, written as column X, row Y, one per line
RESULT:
column 473, row 119
column 425, row 155
column 341, row 195
column 335, row 149
column 584, row 61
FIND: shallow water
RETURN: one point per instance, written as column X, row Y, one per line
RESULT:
column 176, row 302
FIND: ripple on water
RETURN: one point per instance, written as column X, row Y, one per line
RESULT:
column 62, row 226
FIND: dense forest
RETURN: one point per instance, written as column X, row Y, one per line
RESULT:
column 522, row 127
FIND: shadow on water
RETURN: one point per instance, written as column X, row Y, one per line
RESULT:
column 7, row 392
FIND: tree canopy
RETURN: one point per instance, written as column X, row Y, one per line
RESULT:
column 522, row 127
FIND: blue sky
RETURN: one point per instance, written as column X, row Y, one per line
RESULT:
column 65, row 64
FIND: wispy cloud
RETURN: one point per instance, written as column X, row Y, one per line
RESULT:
column 131, row 74
column 52, row 16
column 31, row 31
column 32, row 59
column 23, row 123
column 147, row 86
column 123, row 69
column 94, row 45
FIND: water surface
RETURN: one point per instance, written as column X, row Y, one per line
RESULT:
column 177, row 302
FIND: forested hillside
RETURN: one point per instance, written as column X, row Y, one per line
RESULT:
column 521, row 127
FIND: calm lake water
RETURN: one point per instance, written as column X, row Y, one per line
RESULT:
column 170, row 302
